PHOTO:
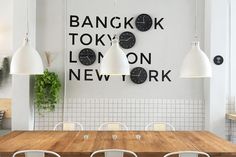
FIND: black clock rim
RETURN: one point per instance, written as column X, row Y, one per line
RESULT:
column 214, row 60
column 148, row 27
column 121, row 41
column 95, row 57
column 137, row 82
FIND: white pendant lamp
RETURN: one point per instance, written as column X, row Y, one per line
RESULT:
column 26, row 60
column 196, row 63
column 115, row 61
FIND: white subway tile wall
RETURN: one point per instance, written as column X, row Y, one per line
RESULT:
column 230, row 125
column 184, row 114
column 47, row 120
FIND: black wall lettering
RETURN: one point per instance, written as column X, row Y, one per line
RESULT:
column 134, row 56
column 100, row 56
column 72, row 73
column 87, row 21
column 80, row 38
column 106, row 77
column 87, row 75
column 158, row 23
column 83, row 41
column 100, row 22
column 99, row 40
column 112, row 22
column 165, row 75
column 108, row 35
column 143, row 57
column 73, row 37
column 71, row 58
column 123, row 78
column 74, row 21
column 128, row 23
column 153, row 74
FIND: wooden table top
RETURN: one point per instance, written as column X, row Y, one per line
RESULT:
column 151, row 143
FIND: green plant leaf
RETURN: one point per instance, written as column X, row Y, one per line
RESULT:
column 46, row 91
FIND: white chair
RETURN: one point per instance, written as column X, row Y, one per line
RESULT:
column 113, row 126
column 35, row 153
column 159, row 126
column 68, row 126
column 113, row 153
column 187, row 154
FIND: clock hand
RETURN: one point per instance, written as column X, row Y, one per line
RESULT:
column 140, row 22
column 140, row 72
column 143, row 19
column 128, row 39
column 88, row 58
column 125, row 39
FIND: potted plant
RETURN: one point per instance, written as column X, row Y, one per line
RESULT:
column 4, row 69
column 47, row 91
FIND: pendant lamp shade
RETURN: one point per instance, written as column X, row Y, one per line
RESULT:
column 115, row 61
column 26, row 61
column 196, row 64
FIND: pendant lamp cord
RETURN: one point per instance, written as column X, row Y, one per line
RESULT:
column 27, row 18
column 196, row 18
column 230, row 52
column 230, row 70
column 116, row 14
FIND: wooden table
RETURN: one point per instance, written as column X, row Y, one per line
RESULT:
column 151, row 144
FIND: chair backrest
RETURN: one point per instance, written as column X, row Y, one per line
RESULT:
column 68, row 126
column 187, row 154
column 159, row 126
column 113, row 126
column 35, row 153
column 113, row 153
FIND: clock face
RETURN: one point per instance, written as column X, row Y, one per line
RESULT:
column 127, row 40
column 87, row 56
column 138, row 75
column 143, row 22
column 218, row 60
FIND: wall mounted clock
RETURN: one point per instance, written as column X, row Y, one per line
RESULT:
column 127, row 40
column 218, row 60
column 143, row 22
column 87, row 56
column 138, row 75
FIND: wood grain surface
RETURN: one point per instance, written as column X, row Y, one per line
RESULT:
column 151, row 144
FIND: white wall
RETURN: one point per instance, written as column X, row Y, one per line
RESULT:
column 217, row 44
column 168, row 48
column 50, row 33
column 50, row 37
column 5, row 26
column 5, row 41
column 233, row 47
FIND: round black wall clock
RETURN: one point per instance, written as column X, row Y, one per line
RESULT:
column 127, row 40
column 143, row 22
column 218, row 60
column 87, row 56
column 138, row 75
